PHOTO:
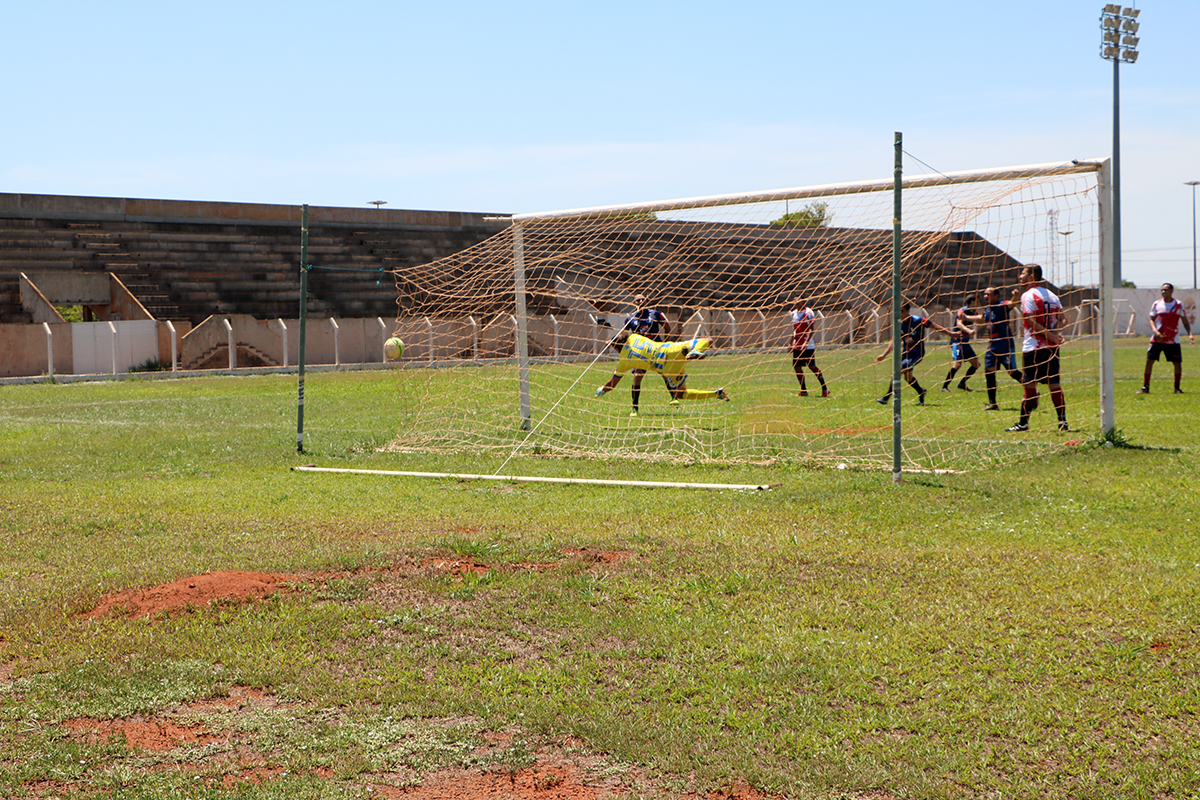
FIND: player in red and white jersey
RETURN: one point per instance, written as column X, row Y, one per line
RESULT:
column 1166, row 315
column 804, row 352
column 1041, row 316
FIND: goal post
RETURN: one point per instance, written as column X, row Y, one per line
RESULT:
column 526, row 316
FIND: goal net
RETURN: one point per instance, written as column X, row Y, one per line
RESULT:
column 507, row 342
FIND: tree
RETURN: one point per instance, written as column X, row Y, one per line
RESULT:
column 813, row 215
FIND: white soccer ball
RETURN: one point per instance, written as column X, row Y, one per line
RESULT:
column 393, row 348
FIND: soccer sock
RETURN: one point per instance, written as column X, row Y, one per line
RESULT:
column 917, row 386
column 970, row 371
column 698, row 394
column 821, row 378
column 949, row 377
column 803, row 388
column 1060, row 404
column 1028, row 406
column 1146, row 379
column 1178, row 374
column 990, row 377
column 637, row 395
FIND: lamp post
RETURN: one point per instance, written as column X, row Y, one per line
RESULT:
column 377, row 203
column 1067, row 246
column 1118, row 42
column 1193, row 184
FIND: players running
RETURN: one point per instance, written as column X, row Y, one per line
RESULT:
column 912, row 332
column 1000, row 351
column 961, row 350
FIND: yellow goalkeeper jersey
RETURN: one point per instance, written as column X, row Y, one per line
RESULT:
column 665, row 358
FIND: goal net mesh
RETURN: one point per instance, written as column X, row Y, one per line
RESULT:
column 730, row 270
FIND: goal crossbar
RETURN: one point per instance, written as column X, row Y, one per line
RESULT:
column 1025, row 172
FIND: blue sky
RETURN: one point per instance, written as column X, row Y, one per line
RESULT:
column 531, row 106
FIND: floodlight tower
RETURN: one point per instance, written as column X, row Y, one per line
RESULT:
column 1193, row 184
column 1118, row 42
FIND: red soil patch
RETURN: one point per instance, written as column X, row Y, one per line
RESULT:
column 194, row 592
column 199, row 591
column 144, row 734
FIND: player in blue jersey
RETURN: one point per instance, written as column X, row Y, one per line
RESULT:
column 1000, row 351
column 668, row 359
column 961, row 350
column 648, row 322
column 912, row 333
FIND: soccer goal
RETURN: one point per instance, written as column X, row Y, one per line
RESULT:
column 506, row 343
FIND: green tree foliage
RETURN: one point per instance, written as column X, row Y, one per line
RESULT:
column 813, row 215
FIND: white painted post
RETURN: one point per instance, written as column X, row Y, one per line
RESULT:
column 820, row 326
column 49, row 349
column 429, row 337
column 113, row 329
column 383, row 331
column 732, row 330
column 474, row 338
column 849, row 326
column 232, row 345
column 554, row 322
column 337, row 346
column 595, row 334
column 174, row 348
column 762, row 318
column 283, row 335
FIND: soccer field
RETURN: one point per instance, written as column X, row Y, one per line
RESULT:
column 1024, row 627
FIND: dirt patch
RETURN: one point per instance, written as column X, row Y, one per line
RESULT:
column 553, row 769
column 197, row 591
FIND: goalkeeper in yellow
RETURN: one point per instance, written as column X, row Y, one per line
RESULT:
column 668, row 359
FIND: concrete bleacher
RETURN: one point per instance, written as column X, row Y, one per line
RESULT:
column 188, row 260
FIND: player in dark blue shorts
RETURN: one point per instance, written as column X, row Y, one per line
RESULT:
column 912, row 332
column 1000, row 352
column 960, row 348
column 653, row 324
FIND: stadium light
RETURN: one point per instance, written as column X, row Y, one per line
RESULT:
column 1113, row 20
column 1067, row 246
column 377, row 203
column 1193, row 184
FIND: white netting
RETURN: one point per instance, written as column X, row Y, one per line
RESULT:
column 720, row 269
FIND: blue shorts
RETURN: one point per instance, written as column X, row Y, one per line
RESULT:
column 999, row 354
column 961, row 351
column 910, row 360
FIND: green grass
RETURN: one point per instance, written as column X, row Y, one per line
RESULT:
column 1020, row 630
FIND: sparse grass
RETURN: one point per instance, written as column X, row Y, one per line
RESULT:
column 1026, row 630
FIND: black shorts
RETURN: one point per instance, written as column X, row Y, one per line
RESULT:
column 805, row 358
column 1041, row 366
column 1169, row 349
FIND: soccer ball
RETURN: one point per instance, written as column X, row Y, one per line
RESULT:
column 393, row 348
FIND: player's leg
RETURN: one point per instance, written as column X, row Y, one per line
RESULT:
column 798, row 368
column 955, row 363
column 1174, row 355
column 1151, row 357
column 682, row 392
column 973, row 362
column 1029, row 382
column 989, row 377
column 636, row 392
column 812, row 364
column 912, row 381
